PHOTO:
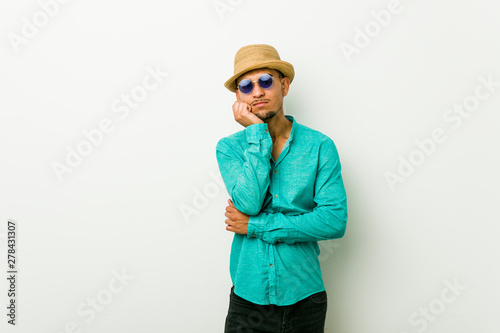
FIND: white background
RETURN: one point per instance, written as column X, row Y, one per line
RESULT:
column 119, row 210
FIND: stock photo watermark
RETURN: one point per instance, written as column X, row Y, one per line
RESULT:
column 94, row 137
column 327, row 248
column 221, row 7
column 201, row 197
column 92, row 305
column 12, row 271
column 31, row 27
column 256, row 318
column 426, row 147
column 363, row 37
column 421, row 319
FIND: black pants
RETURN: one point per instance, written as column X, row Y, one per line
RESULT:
column 305, row 316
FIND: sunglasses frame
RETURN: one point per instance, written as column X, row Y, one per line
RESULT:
column 258, row 80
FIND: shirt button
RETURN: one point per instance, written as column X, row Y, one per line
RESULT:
column 271, row 265
column 265, row 130
column 275, row 195
column 254, row 235
column 279, row 240
column 275, row 171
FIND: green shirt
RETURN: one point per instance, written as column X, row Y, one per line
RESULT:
column 293, row 203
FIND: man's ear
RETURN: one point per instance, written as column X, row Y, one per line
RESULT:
column 237, row 95
column 285, row 85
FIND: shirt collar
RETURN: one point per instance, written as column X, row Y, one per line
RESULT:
column 294, row 125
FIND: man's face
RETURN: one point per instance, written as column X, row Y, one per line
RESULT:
column 265, row 103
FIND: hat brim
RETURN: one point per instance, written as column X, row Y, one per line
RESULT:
column 284, row 67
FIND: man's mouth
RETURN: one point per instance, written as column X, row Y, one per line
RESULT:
column 259, row 104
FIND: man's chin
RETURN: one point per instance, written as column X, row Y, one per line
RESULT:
column 266, row 115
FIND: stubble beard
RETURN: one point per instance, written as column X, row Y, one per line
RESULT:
column 268, row 115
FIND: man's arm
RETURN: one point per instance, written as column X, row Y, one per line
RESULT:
column 246, row 173
column 327, row 220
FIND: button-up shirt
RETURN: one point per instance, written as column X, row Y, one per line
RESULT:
column 292, row 204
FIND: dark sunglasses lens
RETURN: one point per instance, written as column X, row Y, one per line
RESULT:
column 245, row 86
column 265, row 81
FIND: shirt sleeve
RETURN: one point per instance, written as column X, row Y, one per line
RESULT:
column 327, row 220
column 246, row 173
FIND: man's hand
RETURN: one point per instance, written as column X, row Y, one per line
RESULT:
column 236, row 221
column 243, row 114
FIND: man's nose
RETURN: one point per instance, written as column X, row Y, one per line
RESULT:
column 257, row 91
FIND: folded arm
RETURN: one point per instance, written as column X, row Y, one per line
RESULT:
column 327, row 220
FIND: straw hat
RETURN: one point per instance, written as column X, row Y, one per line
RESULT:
column 256, row 56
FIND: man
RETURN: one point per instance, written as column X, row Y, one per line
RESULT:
column 287, row 193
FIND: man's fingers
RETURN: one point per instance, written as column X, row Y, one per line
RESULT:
column 241, row 107
column 229, row 227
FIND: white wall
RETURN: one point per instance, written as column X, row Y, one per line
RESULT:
column 120, row 207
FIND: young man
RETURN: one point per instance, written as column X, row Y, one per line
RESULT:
column 287, row 193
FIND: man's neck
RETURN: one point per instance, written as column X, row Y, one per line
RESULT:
column 279, row 126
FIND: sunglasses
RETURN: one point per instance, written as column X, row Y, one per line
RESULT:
column 265, row 82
